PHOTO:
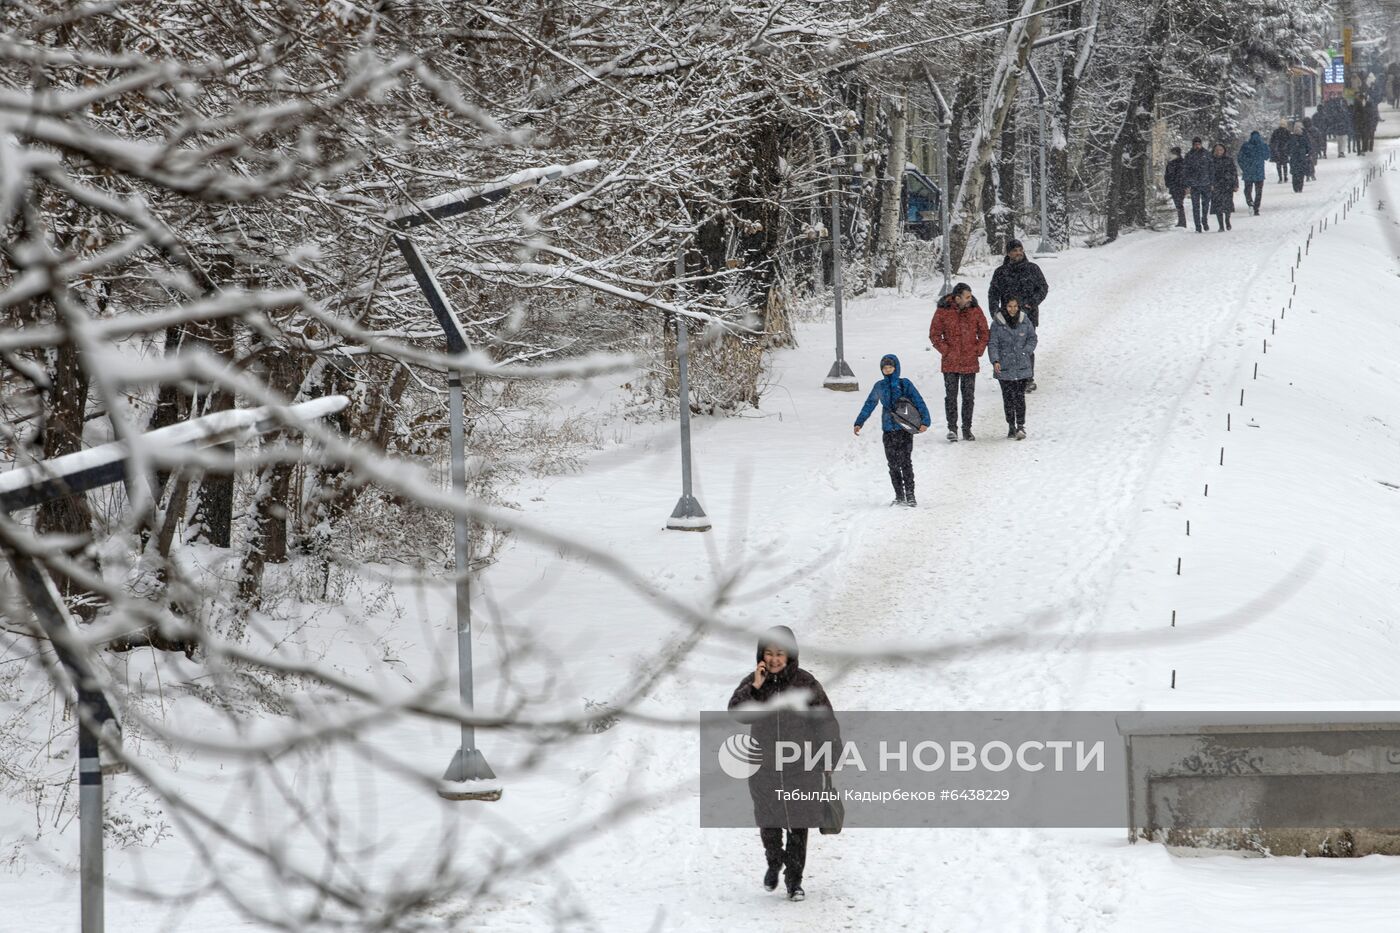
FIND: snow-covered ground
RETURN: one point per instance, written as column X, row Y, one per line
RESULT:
column 1067, row 543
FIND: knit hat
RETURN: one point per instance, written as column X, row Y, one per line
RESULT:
column 1013, row 244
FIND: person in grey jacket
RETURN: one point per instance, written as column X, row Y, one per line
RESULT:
column 1010, row 348
column 1198, row 175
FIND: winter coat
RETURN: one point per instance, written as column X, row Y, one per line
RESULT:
column 1172, row 177
column 1022, row 280
column 1011, row 346
column 816, row 725
column 1278, row 145
column 1253, row 157
column 1196, row 173
column 888, row 390
column 1224, row 181
column 959, row 336
column 1316, row 140
column 1299, row 152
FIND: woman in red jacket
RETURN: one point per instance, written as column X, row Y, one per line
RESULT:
column 959, row 333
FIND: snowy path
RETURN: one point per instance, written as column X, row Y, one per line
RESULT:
column 1138, row 341
column 1055, row 539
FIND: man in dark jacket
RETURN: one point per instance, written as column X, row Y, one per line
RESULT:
column 1299, row 155
column 1022, row 278
column 959, row 333
column 1317, row 142
column 1252, row 158
column 899, row 441
column 1278, row 150
column 1175, row 187
column 1197, row 174
column 777, row 673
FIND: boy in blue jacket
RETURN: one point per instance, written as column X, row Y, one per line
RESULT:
column 899, row 437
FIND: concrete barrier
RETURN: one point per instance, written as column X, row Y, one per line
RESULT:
column 1324, row 783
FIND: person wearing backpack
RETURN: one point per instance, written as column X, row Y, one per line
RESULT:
column 904, row 415
column 1010, row 350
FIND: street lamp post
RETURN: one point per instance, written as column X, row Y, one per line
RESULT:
column 1047, row 242
column 75, row 474
column 839, row 378
column 468, row 776
column 688, row 515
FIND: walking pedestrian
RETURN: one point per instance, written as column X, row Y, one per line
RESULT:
column 1172, row 177
column 1299, row 155
column 1278, row 150
column 1197, row 174
column 1010, row 349
column 959, row 333
column 1018, row 276
column 788, row 797
column 1317, row 142
column 1225, row 181
column 899, row 428
column 1254, row 154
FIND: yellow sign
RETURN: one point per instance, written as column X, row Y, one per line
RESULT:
column 1346, row 45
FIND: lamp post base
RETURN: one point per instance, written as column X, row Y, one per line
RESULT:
column 469, row 777
column 688, row 516
column 841, row 379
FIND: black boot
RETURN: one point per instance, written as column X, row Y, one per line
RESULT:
column 1010, row 429
column 1227, row 223
column 967, row 434
column 770, row 878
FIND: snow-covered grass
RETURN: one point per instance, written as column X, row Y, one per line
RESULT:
column 1070, row 535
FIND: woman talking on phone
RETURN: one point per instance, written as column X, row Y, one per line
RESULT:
column 774, row 806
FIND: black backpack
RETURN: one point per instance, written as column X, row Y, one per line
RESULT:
column 905, row 414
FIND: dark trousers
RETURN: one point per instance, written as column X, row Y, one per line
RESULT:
column 1282, row 171
column 899, row 454
column 1200, row 207
column 793, row 858
column 1013, row 399
column 951, row 383
column 1297, row 180
column 1179, row 199
column 1253, row 194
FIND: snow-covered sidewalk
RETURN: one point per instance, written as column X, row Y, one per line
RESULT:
column 1070, row 535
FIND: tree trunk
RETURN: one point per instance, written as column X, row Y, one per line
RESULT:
column 63, row 434
column 214, row 502
column 892, row 191
column 1061, row 119
column 1001, row 94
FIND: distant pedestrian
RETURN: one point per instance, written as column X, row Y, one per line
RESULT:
column 1225, row 181
column 899, row 428
column 959, row 333
column 1011, row 349
column 1199, row 177
column 1299, row 155
column 1254, row 154
column 1018, row 276
column 1278, row 150
column 777, row 678
column 1172, row 177
column 1317, row 142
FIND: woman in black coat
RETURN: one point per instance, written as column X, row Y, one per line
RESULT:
column 1224, row 182
column 777, row 673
